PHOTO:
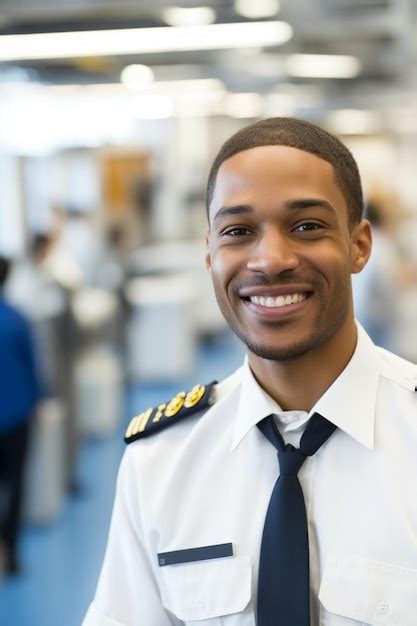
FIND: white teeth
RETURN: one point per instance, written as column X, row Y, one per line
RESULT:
column 279, row 301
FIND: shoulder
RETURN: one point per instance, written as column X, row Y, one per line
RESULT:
column 398, row 370
column 199, row 401
column 181, row 406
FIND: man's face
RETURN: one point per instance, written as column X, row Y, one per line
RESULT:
column 280, row 250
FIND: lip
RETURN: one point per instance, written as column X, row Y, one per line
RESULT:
column 277, row 313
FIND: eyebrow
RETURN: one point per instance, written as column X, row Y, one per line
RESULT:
column 309, row 203
column 233, row 210
column 302, row 203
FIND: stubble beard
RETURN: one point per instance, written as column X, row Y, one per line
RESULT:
column 323, row 330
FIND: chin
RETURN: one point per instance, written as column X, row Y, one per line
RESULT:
column 290, row 348
column 280, row 353
column 283, row 351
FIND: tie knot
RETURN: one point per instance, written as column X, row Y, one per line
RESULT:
column 290, row 460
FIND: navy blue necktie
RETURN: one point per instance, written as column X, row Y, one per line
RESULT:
column 283, row 587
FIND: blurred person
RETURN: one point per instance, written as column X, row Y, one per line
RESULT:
column 32, row 289
column 30, row 275
column 115, row 254
column 20, row 392
column 208, row 525
column 41, row 286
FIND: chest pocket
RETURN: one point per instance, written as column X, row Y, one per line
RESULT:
column 358, row 591
column 207, row 589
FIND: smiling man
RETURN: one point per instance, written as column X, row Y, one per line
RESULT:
column 285, row 494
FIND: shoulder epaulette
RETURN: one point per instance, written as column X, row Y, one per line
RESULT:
column 179, row 407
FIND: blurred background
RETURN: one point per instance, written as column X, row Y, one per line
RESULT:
column 110, row 116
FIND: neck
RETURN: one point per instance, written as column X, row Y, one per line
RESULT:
column 299, row 383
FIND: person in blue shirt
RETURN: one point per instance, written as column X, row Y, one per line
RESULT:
column 20, row 392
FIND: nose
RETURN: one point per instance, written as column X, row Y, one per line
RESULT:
column 273, row 253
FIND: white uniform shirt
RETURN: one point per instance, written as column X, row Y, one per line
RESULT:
column 208, row 479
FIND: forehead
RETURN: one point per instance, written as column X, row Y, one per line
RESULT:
column 279, row 173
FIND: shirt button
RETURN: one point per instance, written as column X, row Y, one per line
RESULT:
column 382, row 607
column 200, row 602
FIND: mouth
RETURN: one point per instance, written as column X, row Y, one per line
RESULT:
column 276, row 306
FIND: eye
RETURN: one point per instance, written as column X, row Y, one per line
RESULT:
column 237, row 231
column 307, row 227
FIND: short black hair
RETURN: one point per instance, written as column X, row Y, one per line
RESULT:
column 4, row 270
column 296, row 133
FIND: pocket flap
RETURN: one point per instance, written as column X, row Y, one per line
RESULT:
column 206, row 589
column 370, row 591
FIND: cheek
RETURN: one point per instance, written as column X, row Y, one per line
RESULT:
column 224, row 267
column 333, row 262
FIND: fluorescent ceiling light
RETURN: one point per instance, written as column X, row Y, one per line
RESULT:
column 282, row 104
column 157, row 100
column 142, row 40
column 403, row 120
column 153, row 107
column 202, row 85
column 243, row 105
column 255, row 9
column 137, row 76
column 194, row 16
column 170, row 87
column 182, row 98
column 354, row 122
column 322, row 66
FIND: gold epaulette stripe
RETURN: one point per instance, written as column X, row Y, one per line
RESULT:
column 130, row 427
column 138, row 423
column 194, row 396
column 175, row 405
column 181, row 405
column 144, row 421
column 159, row 413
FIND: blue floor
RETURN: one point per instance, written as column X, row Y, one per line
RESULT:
column 61, row 562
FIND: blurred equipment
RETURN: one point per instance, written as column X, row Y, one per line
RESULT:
column 183, row 258
column 80, row 244
column 378, row 288
column 126, row 178
column 405, row 330
column 45, row 472
column 98, row 373
column 161, row 330
column 99, row 392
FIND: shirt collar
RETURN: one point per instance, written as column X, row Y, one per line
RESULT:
column 349, row 402
column 254, row 404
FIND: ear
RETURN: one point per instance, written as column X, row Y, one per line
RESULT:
column 361, row 246
column 207, row 255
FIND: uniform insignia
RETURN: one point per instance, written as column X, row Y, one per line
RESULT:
column 179, row 407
